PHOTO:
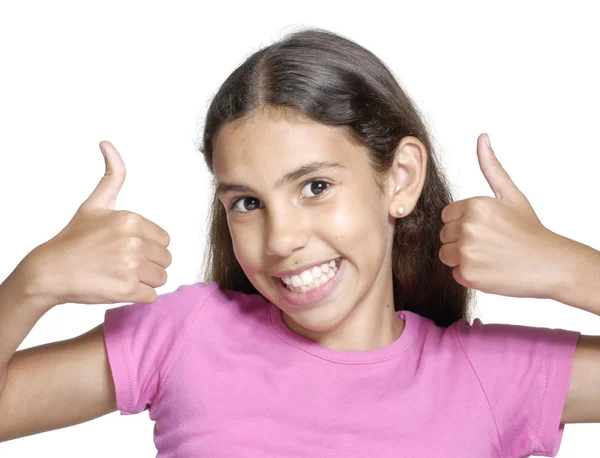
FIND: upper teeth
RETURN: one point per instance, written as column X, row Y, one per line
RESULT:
column 311, row 274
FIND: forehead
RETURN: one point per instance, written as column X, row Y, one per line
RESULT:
column 270, row 143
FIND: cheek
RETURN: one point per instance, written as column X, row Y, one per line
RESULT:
column 247, row 245
column 355, row 221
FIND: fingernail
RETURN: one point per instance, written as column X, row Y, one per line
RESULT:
column 486, row 137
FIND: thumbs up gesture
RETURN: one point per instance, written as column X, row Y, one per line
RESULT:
column 497, row 244
column 103, row 256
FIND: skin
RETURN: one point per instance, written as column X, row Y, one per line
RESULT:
column 298, row 223
column 64, row 383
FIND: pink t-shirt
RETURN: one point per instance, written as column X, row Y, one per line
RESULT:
column 222, row 376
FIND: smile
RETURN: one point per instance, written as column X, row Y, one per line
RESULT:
column 313, row 277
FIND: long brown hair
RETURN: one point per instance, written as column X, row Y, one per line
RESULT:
column 334, row 81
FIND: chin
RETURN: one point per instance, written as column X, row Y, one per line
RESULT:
column 321, row 317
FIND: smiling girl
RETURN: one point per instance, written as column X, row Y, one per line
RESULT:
column 334, row 320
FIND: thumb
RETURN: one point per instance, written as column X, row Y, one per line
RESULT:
column 105, row 194
column 498, row 179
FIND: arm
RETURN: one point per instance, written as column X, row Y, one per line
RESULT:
column 578, row 286
column 102, row 256
column 499, row 246
column 49, row 386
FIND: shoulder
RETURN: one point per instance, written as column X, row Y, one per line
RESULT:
column 170, row 306
column 510, row 339
column 143, row 341
column 184, row 303
column 489, row 346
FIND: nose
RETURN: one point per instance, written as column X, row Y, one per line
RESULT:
column 285, row 233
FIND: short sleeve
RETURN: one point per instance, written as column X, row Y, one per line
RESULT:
column 142, row 341
column 524, row 372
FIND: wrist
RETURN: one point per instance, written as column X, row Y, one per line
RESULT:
column 28, row 282
column 568, row 255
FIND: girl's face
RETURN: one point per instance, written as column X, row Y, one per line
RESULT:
column 310, row 226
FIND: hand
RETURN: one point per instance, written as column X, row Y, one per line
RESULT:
column 103, row 256
column 498, row 245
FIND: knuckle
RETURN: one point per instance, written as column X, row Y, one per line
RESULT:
column 458, row 274
column 129, row 221
column 466, row 275
column 481, row 205
column 149, row 296
column 466, row 252
column 468, row 229
column 128, row 289
column 131, row 266
column 476, row 204
column 134, row 243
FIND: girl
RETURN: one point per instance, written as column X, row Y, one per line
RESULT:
column 334, row 319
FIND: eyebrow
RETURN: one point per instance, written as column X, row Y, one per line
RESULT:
column 306, row 169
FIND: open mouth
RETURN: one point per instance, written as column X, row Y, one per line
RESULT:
column 312, row 278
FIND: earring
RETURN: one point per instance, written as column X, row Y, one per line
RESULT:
column 400, row 210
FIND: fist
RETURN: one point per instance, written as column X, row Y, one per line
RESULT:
column 103, row 256
column 498, row 244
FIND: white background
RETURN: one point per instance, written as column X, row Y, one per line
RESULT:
column 142, row 74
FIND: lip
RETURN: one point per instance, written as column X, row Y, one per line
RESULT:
column 290, row 272
column 314, row 296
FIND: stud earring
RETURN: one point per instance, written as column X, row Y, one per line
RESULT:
column 400, row 209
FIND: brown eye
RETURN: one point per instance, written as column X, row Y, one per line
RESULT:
column 314, row 188
column 246, row 204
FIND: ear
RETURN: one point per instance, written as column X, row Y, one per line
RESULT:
column 406, row 176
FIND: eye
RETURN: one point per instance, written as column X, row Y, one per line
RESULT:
column 314, row 188
column 246, row 204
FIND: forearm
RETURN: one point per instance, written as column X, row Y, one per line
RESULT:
column 579, row 284
column 20, row 309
